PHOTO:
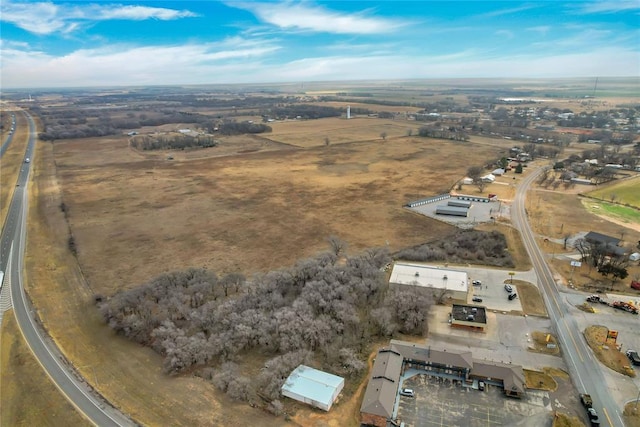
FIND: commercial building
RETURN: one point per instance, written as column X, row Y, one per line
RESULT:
column 433, row 280
column 391, row 363
column 314, row 387
column 469, row 317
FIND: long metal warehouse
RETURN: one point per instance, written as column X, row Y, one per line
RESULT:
column 459, row 203
column 452, row 210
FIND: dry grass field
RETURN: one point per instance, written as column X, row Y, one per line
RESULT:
column 11, row 162
column 538, row 380
column 27, row 396
column 252, row 204
column 606, row 352
column 127, row 374
column 134, row 218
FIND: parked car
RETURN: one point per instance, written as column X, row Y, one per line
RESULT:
column 593, row 415
column 407, row 392
column 512, row 296
column 633, row 356
column 476, row 299
column 481, row 385
column 508, row 288
column 476, row 283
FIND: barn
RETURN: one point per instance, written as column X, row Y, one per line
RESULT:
column 313, row 387
column 452, row 211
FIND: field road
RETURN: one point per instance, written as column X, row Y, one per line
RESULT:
column 584, row 368
column 12, row 244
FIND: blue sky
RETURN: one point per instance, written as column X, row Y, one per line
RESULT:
column 104, row 43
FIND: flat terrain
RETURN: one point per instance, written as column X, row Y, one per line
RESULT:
column 252, row 204
column 248, row 212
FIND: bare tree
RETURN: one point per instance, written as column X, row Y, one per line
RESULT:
column 338, row 246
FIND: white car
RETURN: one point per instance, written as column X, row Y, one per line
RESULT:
column 407, row 392
column 508, row 288
column 476, row 283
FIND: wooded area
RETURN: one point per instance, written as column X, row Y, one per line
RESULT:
column 327, row 309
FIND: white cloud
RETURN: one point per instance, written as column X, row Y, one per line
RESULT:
column 47, row 18
column 507, row 34
column 541, row 29
column 241, row 61
column 307, row 17
column 507, row 11
column 608, row 6
column 123, row 65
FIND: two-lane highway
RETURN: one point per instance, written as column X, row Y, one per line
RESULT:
column 585, row 370
column 12, row 244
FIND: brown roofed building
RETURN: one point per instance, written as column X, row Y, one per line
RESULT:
column 511, row 376
column 380, row 396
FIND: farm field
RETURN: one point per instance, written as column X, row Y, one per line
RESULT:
column 624, row 192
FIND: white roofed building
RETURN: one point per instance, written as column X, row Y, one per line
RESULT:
column 430, row 279
column 314, row 387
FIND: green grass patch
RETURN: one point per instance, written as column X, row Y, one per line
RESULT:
column 625, row 192
column 618, row 212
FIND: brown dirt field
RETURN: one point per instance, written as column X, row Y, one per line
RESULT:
column 539, row 380
column 532, row 303
column 225, row 213
column 539, row 343
column 611, row 357
column 631, row 414
column 27, row 395
column 125, row 373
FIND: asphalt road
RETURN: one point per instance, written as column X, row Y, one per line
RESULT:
column 584, row 368
column 12, row 243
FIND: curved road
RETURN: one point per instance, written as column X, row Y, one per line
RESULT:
column 12, row 243
column 585, row 369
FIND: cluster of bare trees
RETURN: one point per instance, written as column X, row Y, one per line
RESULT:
column 455, row 134
column 488, row 248
column 319, row 309
column 603, row 258
column 172, row 142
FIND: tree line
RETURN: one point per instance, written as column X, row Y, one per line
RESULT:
column 488, row 248
column 172, row 142
column 327, row 309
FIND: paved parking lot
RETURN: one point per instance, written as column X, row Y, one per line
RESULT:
column 492, row 289
column 479, row 213
column 442, row 402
